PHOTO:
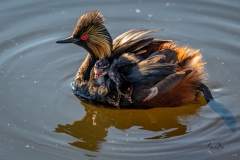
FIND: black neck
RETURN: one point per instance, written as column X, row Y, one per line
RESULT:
column 83, row 73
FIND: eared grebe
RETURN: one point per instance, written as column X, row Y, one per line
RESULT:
column 164, row 74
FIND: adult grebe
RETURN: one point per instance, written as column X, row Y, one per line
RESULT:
column 172, row 79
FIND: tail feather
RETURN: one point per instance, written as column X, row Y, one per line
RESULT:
column 186, row 91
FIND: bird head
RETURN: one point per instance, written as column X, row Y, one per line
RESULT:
column 125, row 89
column 101, row 68
column 91, row 34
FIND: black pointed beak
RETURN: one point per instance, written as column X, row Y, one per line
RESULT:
column 68, row 40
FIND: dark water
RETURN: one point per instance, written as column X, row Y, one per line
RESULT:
column 40, row 118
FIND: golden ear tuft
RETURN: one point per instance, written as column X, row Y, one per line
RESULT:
column 88, row 19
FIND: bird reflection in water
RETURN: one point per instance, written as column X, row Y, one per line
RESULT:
column 92, row 129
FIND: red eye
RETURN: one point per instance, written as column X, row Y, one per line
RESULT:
column 128, row 88
column 84, row 37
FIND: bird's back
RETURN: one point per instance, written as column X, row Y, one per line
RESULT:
column 161, row 59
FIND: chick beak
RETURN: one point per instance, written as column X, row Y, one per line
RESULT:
column 98, row 74
column 68, row 40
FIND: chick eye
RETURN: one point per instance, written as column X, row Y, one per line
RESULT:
column 84, row 37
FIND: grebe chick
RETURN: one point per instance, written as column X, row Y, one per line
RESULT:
column 101, row 69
